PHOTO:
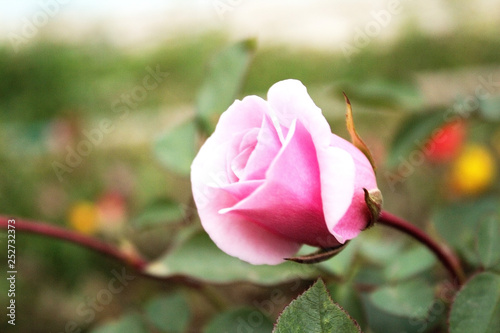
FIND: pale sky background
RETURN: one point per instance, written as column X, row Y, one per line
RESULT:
column 315, row 23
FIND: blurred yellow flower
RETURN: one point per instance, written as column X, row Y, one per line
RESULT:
column 473, row 171
column 83, row 217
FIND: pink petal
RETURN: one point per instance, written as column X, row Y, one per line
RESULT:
column 289, row 100
column 337, row 184
column 236, row 235
column 354, row 220
column 241, row 116
column 239, row 163
column 244, row 140
column 267, row 147
column 359, row 158
column 209, row 165
column 356, row 217
column 243, row 189
column 289, row 202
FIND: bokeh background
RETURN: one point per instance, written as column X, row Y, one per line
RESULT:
column 88, row 89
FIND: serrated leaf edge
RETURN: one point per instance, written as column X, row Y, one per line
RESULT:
column 322, row 283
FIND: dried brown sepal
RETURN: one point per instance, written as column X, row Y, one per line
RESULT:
column 355, row 139
column 319, row 256
column 374, row 201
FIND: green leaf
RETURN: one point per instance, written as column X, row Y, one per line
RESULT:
column 315, row 312
column 198, row 257
column 131, row 323
column 458, row 224
column 382, row 93
column 369, row 275
column 381, row 321
column 406, row 307
column 488, row 246
column 413, row 135
column 159, row 213
column 378, row 250
column 240, row 320
column 176, row 148
column 169, row 313
column 409, row 263
column 476, row 307
column 223, row 82
column 408, row 299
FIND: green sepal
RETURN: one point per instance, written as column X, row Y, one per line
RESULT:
column 355, row 138
column 322, row 254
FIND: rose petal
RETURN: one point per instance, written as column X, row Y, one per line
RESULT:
column 240, row 116
column 354, row 220
column 239, row 163
column 356, row 217
column 236, row 235
column 289, row 202
column 289, row 100
column 234, row 123
column 239, row 142
column 267, row 147
column 243, row 189
column 359, row 158
column 209, row 165
column 337, row 184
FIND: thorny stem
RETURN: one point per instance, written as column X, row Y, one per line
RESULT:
column 447, row 258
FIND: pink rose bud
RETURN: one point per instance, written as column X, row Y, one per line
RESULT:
column 273, row 177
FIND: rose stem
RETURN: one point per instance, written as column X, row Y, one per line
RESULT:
column 447, row 258
column 74, row 237
column 135, row 261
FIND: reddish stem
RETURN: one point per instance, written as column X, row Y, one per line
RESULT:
column 447, row 258
column 53, row 231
